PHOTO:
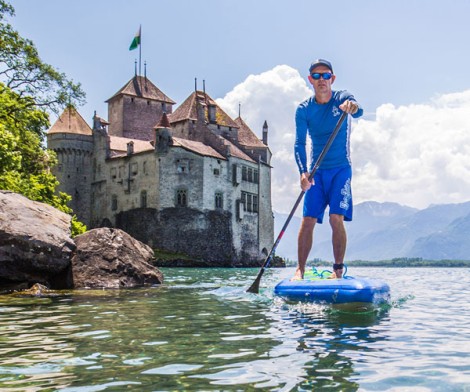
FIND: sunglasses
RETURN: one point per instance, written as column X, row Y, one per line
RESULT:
column 324, row 75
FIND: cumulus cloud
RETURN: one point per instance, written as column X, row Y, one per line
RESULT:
column 414, row 155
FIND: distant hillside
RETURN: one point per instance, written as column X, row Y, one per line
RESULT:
column 382, row 231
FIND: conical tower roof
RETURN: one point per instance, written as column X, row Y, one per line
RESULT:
column 70, row 121
column 246, row 137
column 140, row 86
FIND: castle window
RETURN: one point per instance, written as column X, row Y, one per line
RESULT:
column 148, row 102
column 113, row 173
column 59, row 168
column 134, row 168
column 143, row 199
column 255, row 203
column 236, row 175
column 182, row 166
column 181, row 198
column 144, row 167
column 250, row 174
column 255, row 176
column 244, row 173
column 164, row 107
column 216, row 172
column 250, row 202
column 219, row 200
column 114, row 203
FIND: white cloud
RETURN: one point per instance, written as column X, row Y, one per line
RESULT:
column 415, row 155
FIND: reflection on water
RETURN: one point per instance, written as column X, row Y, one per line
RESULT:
column 201, row 331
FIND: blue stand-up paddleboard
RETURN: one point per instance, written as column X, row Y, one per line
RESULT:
column 317, row 288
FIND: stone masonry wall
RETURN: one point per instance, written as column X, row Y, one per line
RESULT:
column 203, row 235
column 135, row 117
column 74, row 170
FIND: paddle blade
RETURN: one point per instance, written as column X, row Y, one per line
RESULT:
column 254, row 288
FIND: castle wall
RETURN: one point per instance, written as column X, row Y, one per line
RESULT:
column 127, row 183
column 74, row 170
column 205, row 235
column 266, row 221
column 245, row 208
column 135, row 117
column 217, row 210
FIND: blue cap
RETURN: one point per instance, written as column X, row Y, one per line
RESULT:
column 319, row 62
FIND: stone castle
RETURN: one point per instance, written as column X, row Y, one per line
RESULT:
column 192, row 181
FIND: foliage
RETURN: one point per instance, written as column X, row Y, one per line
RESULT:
column 24, row 163
column 29, row 88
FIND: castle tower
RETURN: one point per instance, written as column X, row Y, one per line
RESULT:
column 135, row 109
column 265, row 133
column 71, row 139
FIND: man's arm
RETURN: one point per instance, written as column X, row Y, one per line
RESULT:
column 300, row 151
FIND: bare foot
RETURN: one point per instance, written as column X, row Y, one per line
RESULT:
column 338, row 274
column 299, row 274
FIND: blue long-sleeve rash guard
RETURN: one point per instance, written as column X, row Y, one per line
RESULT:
column 319, row 120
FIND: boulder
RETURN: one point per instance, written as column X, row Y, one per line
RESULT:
column 111, row 258
column 35, row 243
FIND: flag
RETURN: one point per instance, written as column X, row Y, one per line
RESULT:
column 136, row 41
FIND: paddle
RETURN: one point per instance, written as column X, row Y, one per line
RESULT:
column 254, row 288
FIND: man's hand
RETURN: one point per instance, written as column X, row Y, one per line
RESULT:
column 350, row 107
column 305, row 184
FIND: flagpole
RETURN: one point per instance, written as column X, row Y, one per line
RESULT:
column 140, row 51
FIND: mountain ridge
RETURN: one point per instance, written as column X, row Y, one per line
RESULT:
column 381, row 231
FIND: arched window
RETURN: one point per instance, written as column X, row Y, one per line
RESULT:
column 181, row 198
column 219, row 200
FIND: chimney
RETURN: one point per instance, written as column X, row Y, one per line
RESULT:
column 265, row 133
column 130, row 148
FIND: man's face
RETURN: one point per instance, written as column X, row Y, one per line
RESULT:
column 321, row 85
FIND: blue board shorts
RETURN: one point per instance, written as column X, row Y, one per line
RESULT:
column 332, row 188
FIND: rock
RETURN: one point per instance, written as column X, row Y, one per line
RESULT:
column 36, row 290
column 35, row 243
column 111, row 258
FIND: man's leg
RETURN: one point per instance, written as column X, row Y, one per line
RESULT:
column 305, row 240
column 339, row 239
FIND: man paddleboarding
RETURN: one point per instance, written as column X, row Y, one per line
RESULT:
column 331, row 183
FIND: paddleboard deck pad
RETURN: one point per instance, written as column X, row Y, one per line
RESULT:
column 334, row 291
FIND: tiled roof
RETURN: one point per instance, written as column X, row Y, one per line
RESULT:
column 188, row 110
column 246, row 136
column 70, row 121
column 197, row 147
column 140, row 86
column 119, row 144
column 235, row 151
column 164, row 122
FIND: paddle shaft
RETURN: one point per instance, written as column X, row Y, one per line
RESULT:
column 254, row 288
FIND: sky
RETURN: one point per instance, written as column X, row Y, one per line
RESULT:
column 406, row 62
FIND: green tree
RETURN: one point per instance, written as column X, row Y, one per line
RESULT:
column 29, row 89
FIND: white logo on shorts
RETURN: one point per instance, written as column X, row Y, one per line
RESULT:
column 346, row 192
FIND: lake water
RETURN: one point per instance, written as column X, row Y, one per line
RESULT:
column 202, row 332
